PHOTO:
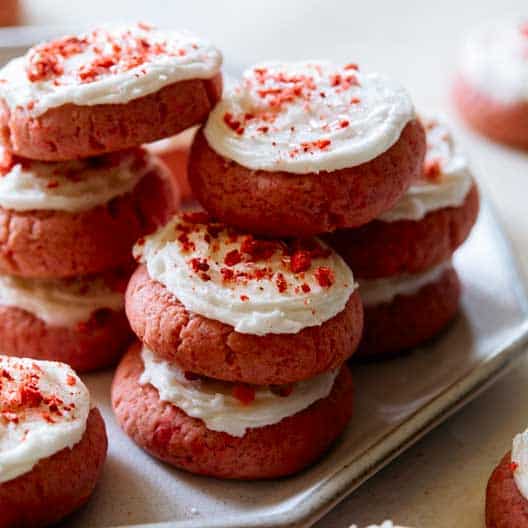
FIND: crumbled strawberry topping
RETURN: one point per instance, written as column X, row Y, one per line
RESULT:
column 301, row 261
column 109, row 52
column 324, row 276
column 232, row 258
column 433, row 170
column 243, row 393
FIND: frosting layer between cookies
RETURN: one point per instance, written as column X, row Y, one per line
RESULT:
column 258, row 286
column 308, row 117
column 214, row 401
column 72, row 186
column 384, row 290
column 44, row 407
column 494, row 59
column 110, row 65
column 59, row 302
column 446, row 178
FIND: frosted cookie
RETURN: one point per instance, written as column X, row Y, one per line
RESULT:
column 52, row 443
column 79, row 217
column 304, row 148
column 78, row 321
column 426, row 225
column 224, row 304
column 404, row 311
column 228, row 430
column 491, row 88
column 174, row 152
column 507, row 490
column 106, row 90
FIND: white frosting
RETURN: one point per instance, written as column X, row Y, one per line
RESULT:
column 73, row 186
column 308, row 117
column 212, row 400
column 445, row 183
column 139, row 61
column 384, row 290
column 59, row 302
column 494, row 60
column 253, row 305
column 44, row 407
column 519, row 457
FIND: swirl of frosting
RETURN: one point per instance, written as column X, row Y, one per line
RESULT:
column 308, row 117
column 494, row 59
column 213, row 402
column 60, row 302
column 384, row 290
column 257, row 286
column 446, row 178
column 111, row 65
column 72, row 186
column 44, row 408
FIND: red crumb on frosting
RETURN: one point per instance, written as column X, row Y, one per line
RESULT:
column 243, row 393
column 324, row 276
column 433, row 169
column 514, row 466
column 233, row 257
column 110, row 54
column 301, row 261
column 20, row 393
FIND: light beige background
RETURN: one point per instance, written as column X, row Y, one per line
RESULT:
column 440, row 482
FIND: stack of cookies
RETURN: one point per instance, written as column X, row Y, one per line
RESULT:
column 245, row 318
column 77, row 190
column 402, row 260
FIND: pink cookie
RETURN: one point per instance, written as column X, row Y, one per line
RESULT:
column 169, row 434
column 106, row 90
column 409, row 320
column 61, row 235
column 294, row 150
column 501, row 121
column 213, row 349
column 58, row 485
column 505, row 506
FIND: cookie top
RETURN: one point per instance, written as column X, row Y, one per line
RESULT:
column 107, row 65
column 258, row 286
column 494, row 59
column 519, row 458
column 306, row 117
column 44, row 407
column 228, row 407
column 71, row 186
column 445, row 182
column 383, row 290
column 60, row 302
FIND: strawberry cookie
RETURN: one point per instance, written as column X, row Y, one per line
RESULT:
column 228, row 430
column 224, row 304
column 429, row 222
column 79, row 321
column 106, row 90
column 79, row 217
column 491, row 88
column 52, row 443
column 406, row 310
column 507, row 490
column 305, row 148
